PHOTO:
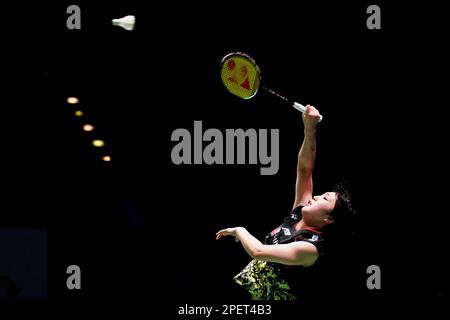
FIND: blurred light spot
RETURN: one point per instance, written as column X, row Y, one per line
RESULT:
column 88, row 127
column 79, row 113
column 98, row 143
column 106, row 158
column 72, row 100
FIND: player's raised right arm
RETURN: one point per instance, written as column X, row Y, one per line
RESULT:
column 306, row 157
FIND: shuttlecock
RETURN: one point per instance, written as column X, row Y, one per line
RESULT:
column 126, row 22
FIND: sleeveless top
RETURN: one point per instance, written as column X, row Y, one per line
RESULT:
column 286, row 233
column 273, row 281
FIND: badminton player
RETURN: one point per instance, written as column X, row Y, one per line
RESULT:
column 301, row 239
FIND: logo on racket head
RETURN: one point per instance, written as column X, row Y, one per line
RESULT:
column 240, row 75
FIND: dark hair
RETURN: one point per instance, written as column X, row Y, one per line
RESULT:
column 343, row 215
column 343, row 211
column 342, row 233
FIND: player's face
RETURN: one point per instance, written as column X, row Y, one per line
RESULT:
column 319, row 207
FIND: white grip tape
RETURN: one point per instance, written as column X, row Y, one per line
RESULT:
column 302, row 108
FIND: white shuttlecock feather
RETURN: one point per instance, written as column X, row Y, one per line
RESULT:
column 126, row 22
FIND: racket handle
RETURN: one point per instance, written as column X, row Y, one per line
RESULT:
column 302, row 108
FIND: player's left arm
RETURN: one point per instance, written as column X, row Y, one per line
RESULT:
column 295, row 253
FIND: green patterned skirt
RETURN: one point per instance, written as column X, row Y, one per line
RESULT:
column 263, row 281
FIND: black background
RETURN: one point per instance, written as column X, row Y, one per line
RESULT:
column 383, row 130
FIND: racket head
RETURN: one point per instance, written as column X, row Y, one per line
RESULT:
column 240, row 74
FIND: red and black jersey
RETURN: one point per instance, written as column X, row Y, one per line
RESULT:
column 286, row 232
column 274, row 281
